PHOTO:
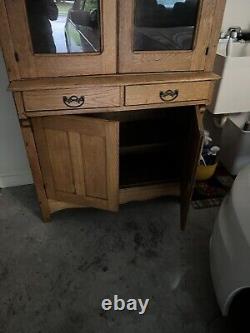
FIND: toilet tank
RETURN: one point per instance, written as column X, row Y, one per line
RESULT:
column 232, row 92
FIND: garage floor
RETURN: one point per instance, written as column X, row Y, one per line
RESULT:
column 54, row 276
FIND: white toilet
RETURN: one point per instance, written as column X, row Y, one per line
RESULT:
column 230, row 243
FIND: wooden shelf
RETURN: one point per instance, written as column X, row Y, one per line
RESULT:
column 144, row 148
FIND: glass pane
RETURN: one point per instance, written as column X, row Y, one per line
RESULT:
column 162, row 25
column 64, row 26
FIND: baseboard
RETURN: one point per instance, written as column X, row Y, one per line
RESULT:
column 10, row 180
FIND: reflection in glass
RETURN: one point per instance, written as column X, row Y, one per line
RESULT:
column 64, row 26
column 165, row 24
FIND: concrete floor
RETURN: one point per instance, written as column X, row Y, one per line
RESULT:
column 54, row 276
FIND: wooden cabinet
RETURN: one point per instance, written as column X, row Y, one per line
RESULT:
column 110, row 96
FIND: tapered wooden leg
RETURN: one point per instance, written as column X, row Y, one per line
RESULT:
column 35, row 168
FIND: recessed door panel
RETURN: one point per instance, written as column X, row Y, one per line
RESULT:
column 93, row 153
column 59, row 155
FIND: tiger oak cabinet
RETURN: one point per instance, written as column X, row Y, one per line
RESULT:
column 110, row 96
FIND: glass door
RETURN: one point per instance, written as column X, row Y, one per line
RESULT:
column 164, row 35
column 64, row 38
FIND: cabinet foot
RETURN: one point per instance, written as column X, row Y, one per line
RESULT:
column 184, row 217
column 45, row 213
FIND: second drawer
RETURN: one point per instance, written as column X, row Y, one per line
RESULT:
column 89, row 97
column 167, row 93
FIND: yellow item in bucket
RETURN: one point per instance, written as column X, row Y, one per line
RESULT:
column 205, row 172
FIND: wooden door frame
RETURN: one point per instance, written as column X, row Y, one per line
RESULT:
column 163, row 61
column 36, row 65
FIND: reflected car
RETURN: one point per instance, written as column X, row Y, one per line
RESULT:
column 165, row 25
column 82, row 27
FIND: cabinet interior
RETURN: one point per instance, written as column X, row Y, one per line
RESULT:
column 151, row 144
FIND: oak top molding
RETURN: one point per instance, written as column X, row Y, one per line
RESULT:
column 110, row 80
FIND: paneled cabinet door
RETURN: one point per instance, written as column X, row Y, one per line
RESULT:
column 192, row 159
column 164, row 35
column 79, row 159
column 63, row 38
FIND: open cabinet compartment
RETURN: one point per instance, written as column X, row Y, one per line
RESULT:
column 152, row 146
column 92, row 159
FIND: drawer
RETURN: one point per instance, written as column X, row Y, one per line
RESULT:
column 60, row 99
column 167, row 93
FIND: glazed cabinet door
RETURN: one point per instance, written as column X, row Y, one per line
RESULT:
column 164, row 35
column 79, row 159
column 63, row 38
column 191, row 160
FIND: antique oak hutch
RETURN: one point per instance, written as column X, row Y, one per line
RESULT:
column 110, row 95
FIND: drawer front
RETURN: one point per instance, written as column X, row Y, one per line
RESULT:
column 167, row 93
column 90, row 97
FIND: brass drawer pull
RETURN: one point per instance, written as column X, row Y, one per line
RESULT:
column 169, row 95
column 73, row 101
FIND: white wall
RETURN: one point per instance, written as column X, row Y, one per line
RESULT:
column 237, row 13
column 14, row 168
